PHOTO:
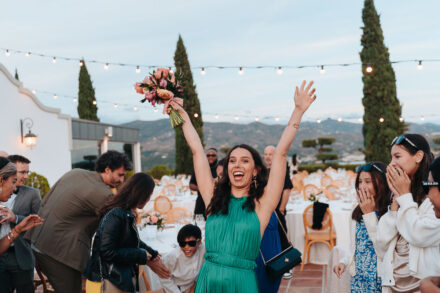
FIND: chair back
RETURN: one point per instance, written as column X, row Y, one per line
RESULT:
column 330, row 192
column 162, row 204
column 177, row 214
column 309, row 189
column 298, row 184
column 326, row 180
column 339, row 183
column 327, row 221
column 169, row 190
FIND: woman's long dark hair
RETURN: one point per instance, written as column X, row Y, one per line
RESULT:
column 383, row 194
column 135, row 191
column 423, row 169
column 222, row 191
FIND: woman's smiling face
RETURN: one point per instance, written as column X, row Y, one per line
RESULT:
column 241, row 168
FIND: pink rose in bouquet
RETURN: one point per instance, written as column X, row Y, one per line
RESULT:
column 154, row 219
column 161, row 87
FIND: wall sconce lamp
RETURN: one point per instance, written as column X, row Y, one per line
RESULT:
column 29, row 139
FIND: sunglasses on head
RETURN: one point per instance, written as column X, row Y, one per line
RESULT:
column 367, row 168
column 401, row 139
column 191, row 243
column 427, row 185
column 211, row 155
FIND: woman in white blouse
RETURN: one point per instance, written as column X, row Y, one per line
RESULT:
column 408, row 235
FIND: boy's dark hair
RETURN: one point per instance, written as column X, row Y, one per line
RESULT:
column 221, row 162
column 188, row 231
column 113, row 160
column 17, row 158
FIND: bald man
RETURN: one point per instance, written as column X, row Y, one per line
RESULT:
column 281, row 208
column 3, row 154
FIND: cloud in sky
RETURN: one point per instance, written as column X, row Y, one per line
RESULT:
column 222, row 33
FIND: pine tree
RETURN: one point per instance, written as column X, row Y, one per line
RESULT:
column 16, row 74
column 86, row 96
column 380, row 98
column 191, row 104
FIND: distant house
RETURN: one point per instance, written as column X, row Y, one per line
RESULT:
column 62, row 142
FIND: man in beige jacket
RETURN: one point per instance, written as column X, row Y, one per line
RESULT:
column 70, row 212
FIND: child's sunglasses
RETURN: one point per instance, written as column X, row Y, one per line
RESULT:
column 191, row 243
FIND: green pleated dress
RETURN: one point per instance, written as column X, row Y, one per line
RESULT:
column 232, row 246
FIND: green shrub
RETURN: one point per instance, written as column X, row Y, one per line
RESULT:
column 38, row 181
column 159, row 170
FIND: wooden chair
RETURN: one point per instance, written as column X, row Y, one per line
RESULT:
column 339, row 183
column 324, row 235
column 309, row 189
column 298, row 184
column 330, row 191
column 162, row 204
column 169, row 190
column 177, row 214
column 47, row 288
column 326, row 180
column 143, row 276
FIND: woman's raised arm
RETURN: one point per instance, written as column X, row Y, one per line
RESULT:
column 304, row 97
column 205, row 182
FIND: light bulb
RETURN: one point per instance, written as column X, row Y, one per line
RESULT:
column 115, row 105
column 420, row 65
column 203, row 72
column 196, row 115
column 401, row 119
column 257, row 119
column 322, row 71
column 279, row 70
column 171, row 70
column 360, row 120
column 75, row 100
column 7, row 53
column 236, row 117
column 81, row 63
column 369, row 69
column 135, row 108
column 318, row 121
column 106, row 66
column 138, row 69
column 155, row 110
column 240, row 71
column 381, row 119
column 28, row 54
column 94, row 102
column 55, row 96
column 34, row 91
column 422, row 118
column 54, row 60
column 216, row 116
column 277, row 119
column 339, row 119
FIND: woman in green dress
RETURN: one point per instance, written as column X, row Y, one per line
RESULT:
column 241, row 204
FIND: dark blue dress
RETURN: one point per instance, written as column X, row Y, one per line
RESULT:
column 270, row 246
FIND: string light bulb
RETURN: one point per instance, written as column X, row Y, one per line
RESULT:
column 279, row 70
column 236, row 118
column 196, row 115
column 339, row 119
column 34, row 91
column 54, row 60
column 240, row 71
column 55, row 96
column 7, row 53
column 171, row 70
column 257, row 119
column 106, row 66
column 116, row 106
column 81, row 63
column 322, row 71
column 318, row 121
column 420, row 65
column 277, row 119
column 138, row 69
column 401, row 119
column 28, row 54
column 155, row 110
column 360, row 120
column 94, row 102
column 203, row 72
column 216, row 116
column 369, row 69
column 422, row 118
column 135, row 108
column 75, row 100
column 381, row 119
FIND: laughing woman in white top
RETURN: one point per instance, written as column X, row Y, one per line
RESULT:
column 408, row 235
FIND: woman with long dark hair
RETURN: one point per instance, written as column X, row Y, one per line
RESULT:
column 117, row 250
column 408, row 235
column 374, row 198
column 240, row 205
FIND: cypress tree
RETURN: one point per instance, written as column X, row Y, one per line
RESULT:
column 191, row 104
column 86, row 96
column 16, row 74
column 380, row 98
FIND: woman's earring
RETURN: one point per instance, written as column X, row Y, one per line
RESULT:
column 1, row 190
column 254, row 181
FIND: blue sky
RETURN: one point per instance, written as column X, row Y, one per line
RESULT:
column 224, row 33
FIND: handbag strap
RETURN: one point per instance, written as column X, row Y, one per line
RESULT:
column 287, row 236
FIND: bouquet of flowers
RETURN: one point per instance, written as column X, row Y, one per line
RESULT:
column 152, row 219
column 314, row 197
column 161, row 87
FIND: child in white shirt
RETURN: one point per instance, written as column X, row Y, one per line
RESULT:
column 185, row 261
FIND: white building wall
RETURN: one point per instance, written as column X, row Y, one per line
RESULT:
column 51, row 156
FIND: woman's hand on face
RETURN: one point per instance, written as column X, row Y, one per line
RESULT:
column 7, row 215
column 366, row 201
column 339, row 269
column 304, row 97
column 28, row 223
column 398, row 180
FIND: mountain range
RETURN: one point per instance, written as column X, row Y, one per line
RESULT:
column 158, row 143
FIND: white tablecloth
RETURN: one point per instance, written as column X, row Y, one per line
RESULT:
column 319, row 252
column 185, row 200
